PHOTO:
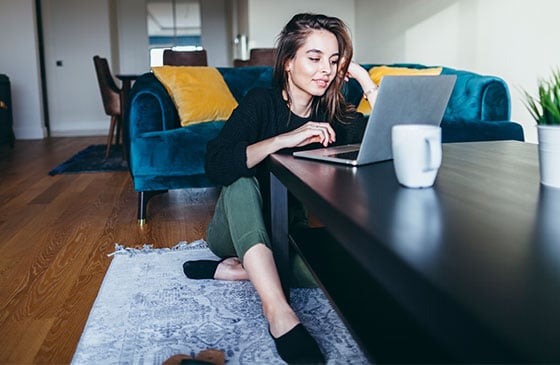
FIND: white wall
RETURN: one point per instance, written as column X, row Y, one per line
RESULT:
column 132, row 43
column 20, row 62
column 216, row 32
column 513, row 39
column 268, row 17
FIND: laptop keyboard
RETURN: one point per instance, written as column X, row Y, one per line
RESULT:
column 352, row 155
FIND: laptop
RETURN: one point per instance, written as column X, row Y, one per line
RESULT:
column 400, row 100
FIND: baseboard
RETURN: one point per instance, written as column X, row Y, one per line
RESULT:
column 79, row 133
column 30, row 133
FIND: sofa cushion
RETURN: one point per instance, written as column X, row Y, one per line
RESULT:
column 376, row 73
column 178, row 152
column 200, row 93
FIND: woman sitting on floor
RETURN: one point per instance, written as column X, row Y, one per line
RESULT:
column 304, row 106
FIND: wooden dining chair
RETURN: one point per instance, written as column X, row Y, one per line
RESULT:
column 111, row 96
column 262, row 57
column 258, row 57
column 185, row 58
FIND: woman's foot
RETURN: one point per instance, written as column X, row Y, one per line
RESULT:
column 281, row 319
column 229, row 268
column 297, row 346
column 293, row 343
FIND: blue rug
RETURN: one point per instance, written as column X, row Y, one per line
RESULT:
column 92, row 159
column 147, row 310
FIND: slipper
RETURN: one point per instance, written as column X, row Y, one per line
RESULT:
column 298, row 347
column 201, row 269
column 204, row 357
column 216, row 357
column 184, row 360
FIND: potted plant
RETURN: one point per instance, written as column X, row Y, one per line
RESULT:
column 545, row 109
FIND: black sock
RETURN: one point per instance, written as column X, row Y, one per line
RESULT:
column 298, row 347
column 200, row 269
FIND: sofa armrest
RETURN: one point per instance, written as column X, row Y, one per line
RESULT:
column 474, row 97
column 150, row 108
column 477, row 97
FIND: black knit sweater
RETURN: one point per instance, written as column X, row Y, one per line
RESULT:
column 262, row 114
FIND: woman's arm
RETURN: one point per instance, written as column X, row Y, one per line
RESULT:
column 310, row 132
column 361, row 75
column 240, row 145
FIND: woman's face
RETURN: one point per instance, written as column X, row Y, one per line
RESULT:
column 314, row 66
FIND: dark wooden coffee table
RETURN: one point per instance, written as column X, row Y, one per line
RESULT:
column 466, row 271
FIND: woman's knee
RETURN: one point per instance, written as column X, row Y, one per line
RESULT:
column 243, row 191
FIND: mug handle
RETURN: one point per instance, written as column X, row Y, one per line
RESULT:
column 434, row 154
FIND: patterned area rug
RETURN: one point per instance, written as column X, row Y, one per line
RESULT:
column 147, row 310
column 92, row 159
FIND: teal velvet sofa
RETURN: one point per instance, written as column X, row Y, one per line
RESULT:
column 163, row 155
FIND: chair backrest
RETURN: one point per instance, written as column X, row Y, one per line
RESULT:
column 240, row 63
column 185, row 58
column 110, row 92
column 258, row 57
column 262, row 57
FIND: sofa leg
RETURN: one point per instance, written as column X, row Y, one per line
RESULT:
column 143, row 199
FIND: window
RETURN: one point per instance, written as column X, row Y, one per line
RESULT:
column 172, row 24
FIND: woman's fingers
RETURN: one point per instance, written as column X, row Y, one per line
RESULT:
column 312, row 132
column 325, row 130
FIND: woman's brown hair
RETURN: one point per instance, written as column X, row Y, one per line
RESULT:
column 293, row 37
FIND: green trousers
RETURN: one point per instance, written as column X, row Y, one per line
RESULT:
column 238, row 225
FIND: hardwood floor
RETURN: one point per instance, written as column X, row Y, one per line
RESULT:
column 55, row 234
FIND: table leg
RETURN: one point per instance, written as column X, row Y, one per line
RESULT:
column 279, row 230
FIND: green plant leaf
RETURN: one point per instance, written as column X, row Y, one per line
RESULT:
column 545, row 109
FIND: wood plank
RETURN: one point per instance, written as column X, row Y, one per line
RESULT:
column 17, row 346
column 56, row 232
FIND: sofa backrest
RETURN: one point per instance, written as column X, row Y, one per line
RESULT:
column 474, row 97
column 242, row 79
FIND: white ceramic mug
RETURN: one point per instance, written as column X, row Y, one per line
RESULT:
column 416, row 154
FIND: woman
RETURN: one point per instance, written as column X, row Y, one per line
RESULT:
column 304, row 107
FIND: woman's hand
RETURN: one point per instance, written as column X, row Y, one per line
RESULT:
column 355, row 71
column 310, row 132
column 361, row 75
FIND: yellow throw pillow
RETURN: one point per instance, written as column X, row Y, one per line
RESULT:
column 376, row 73
column 199, row 93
